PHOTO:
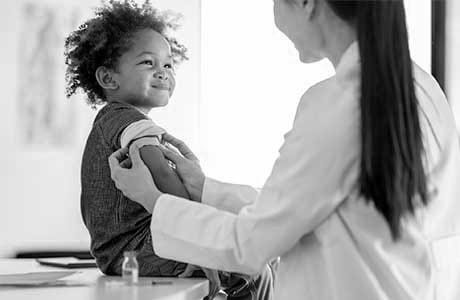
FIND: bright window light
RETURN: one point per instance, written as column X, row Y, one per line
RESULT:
column 252, row 81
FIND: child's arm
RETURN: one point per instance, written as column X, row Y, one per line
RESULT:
column 164, row 176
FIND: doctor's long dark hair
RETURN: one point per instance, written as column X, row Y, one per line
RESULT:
column 392, row 172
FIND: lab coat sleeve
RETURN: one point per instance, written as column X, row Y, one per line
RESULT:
column 314, row 172
column 227, row 196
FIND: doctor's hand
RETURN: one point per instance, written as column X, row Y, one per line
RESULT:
column 136, row 183
column 187, row 165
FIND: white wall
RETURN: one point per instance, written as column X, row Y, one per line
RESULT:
column 452, row 57
column 40, row 185
column 450, row 270
column 253, row 80
column 418, row 14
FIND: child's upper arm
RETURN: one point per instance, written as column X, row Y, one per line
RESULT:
column 145, row 135
column 116, row 120
column 165, row 177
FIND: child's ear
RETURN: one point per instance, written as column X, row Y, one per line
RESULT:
column 105, row 78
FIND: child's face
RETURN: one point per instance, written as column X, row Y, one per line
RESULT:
column 145, row 74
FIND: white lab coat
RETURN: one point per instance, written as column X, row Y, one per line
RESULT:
column 332, row 244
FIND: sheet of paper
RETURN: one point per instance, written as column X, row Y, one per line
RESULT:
column 68, row 262
column 34, row 278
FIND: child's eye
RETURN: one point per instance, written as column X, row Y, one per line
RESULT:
column 147, row 62
column 168, row 66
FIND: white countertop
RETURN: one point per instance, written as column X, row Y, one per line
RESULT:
column 91, row 284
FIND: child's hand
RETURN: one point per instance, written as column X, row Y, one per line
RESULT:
column 187, row 165
column 212, row 275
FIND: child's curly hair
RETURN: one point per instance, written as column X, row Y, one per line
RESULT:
column 101, row 41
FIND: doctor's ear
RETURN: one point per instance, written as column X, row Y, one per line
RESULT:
column 105, row 78
column 308, row 6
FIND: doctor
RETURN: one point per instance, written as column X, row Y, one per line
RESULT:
column 366, row 178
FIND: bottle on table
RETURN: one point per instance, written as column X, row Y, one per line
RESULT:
column 130, row 268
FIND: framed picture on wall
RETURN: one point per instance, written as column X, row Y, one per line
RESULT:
column 46, row 118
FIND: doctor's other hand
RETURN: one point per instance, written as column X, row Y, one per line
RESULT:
column 135, row 183
column 187, row 165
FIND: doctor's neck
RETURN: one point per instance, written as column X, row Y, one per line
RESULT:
column 337, row 35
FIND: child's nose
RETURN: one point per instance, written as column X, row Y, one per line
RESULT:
column 161, row 74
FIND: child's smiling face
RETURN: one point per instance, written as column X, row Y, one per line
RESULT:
column 145, row 74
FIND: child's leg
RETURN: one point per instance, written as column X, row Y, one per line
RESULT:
column 149, row 263
column 152, row 265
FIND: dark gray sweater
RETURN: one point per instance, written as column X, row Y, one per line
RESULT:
column 115, row 223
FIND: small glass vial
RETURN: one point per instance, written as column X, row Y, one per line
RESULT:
column 130, row 268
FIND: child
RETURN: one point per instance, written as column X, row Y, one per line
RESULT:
column 124, row 58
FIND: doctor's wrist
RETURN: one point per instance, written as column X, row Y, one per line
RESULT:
column 149, row 201
column 195, row 188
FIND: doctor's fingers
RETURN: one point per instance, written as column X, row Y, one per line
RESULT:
column 172, row 155
column 181, row 146
column 126, row 164
column 135, row 156
column 120, row 154
column 115, row 158
column 117, row 173
column 120, row 178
